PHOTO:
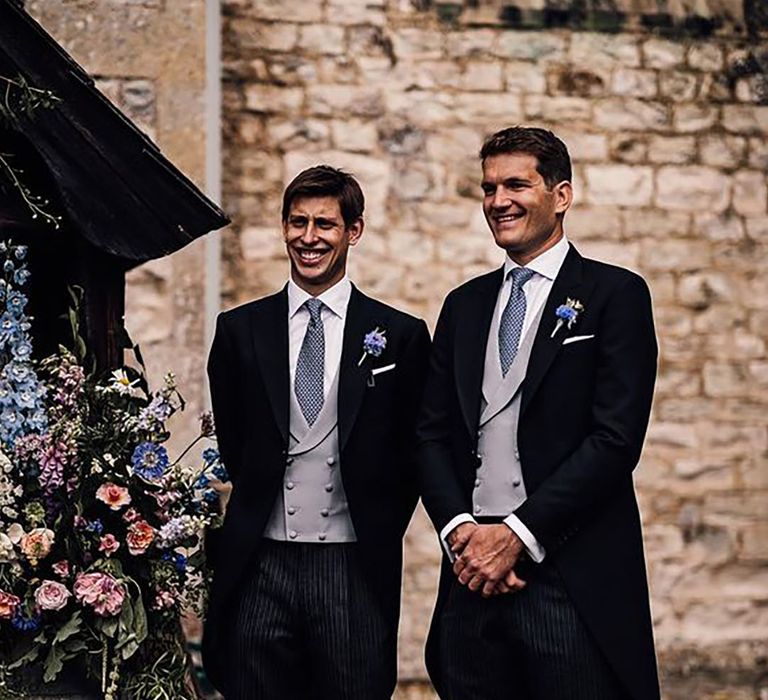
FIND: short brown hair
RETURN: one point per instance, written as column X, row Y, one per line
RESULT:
column 554, row 163
column 326, row 181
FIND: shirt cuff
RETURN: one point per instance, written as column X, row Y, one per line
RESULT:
column 532, row 546
column 450, row 527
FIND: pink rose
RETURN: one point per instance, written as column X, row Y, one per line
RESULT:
column 8, row 605
column 61, row 568
column 113, row 495
column 36, row 544
column 140, row 536
column 131, row 515
column 104, row 593
column 108, row 544
column 51, row 595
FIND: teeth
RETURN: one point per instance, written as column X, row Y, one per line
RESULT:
column 310, row 255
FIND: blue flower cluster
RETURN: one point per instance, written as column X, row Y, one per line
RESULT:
column 178, row 560
column 375, row 342
column 149, row 461
column 567, row 313
column 21, row 393
column 25, row 623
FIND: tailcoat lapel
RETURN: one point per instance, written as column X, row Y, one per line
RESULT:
column 569, row 283
column 353, row 375
column 471, row 339
column 269, row 328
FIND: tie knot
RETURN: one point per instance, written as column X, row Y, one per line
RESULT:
column 520, row 275
column 314, row 306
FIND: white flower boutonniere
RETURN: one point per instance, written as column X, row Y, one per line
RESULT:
column 373, row 344
column 568, row 314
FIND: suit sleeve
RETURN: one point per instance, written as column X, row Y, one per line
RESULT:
column 224, row 384
column 620, row 408
column 441, row 490
column 414, row 361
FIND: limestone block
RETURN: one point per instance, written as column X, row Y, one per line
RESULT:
column 674, row 255
column 442, row 218
column 678, row 86
column 483, row 76
column 694, row 117
column 356, row 12
column 733, row 620
column 261, row 243
column 584, row 146
column 273, row 99
column 557, row 108
column 692, row 188
column 542, row 47
column 629, row 149
column 662, row 53
column 345, row 100
column 412, row 247
column 589, row 48
column 739, row 345
column 411, row 44
column 288, row 10
column 371, row 69
column 672, row 149
column 322, row 38
column 425, row 109
column 354, row 135
column 722, row 150
column 399, row 137
column 429, row 74
column 758, row 154
column 598, row 222
column 375, row 275
column 372, row 173
column 467, row 247
column 719, row 227
column 290, row 134
column 750, row 194
column 724, row 379
column 259, row 171
column 671, row 324
column 757, row 228
column 523, row 76
column 634, row 82
column 619, row 114
column 662, row 286
column 412, row 181
column 746, row 119
column 706, row 56
column 490, row 110
column 652, row 223
column 246, row 33
column 619, row 185
column 622, row 254
column 678, row 383
column 472, row 42
column 700, row 290
column 751, row 89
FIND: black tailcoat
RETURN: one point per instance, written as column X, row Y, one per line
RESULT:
column 583, row 417
column 250, row 385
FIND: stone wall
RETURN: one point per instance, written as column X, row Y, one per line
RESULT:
column 669, row 139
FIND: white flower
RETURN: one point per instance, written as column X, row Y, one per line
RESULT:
column 15, row 533
column 7, row 553
column 120, row 383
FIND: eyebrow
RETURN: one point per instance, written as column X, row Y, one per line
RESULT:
column 508, row 181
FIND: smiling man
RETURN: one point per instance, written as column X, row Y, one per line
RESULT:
column 315, row 391
column 535, row 411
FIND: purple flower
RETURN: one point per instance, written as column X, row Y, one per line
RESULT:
column 25, row 623
column 373, row 344
column 149, row 461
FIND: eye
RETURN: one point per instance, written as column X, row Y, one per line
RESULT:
column 488, row 190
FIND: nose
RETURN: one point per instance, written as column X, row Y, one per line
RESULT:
column 310, row 233
column 501, row 199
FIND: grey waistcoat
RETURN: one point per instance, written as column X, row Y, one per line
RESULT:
column 312, row 505
column 499, row 485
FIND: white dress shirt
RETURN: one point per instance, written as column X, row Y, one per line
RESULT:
column 537, row 289
column 333, row 314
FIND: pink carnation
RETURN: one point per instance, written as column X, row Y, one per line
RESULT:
column 113, row 495
column 51, row 595
column 8, row 605
column 104, row 593
column 109, row 544
column 140, row 536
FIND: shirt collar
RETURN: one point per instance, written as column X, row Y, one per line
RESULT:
column 336, row 298
column 547, row 264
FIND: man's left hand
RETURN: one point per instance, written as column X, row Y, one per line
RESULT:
column 490, row 554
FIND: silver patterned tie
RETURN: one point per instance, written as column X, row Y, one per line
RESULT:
column 310, row 367
column 511, row 325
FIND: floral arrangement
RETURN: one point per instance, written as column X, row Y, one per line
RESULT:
column 567, row 314
column 374, row 343
column 100, row 530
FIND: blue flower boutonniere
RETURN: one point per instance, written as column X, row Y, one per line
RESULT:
column 373, row 344
column 568, row 314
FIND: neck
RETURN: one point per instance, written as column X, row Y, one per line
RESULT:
column 316, row 290
column 523, row 257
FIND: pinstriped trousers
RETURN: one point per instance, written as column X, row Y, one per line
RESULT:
column 529, row 645
column 308, row 628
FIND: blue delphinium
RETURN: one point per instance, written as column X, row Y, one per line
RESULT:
column 149, row 461
column 178, row 560
column 21, row 393
column 25, row 623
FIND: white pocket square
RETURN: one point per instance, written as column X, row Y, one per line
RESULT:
column 577, row 338
column 379, row 370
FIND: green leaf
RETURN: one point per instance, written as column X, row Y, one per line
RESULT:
column 71, row 627
column 53, row 663
column 29, row 657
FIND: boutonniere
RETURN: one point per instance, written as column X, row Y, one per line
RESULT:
column 373, row 344
column 567, row 313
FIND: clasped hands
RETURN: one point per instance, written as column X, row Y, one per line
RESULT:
column 485, row 558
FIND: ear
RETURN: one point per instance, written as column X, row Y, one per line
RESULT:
column 355, row 230
column 564, row 197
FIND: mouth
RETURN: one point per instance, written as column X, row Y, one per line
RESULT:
column 311, row 256
column 508, row 218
